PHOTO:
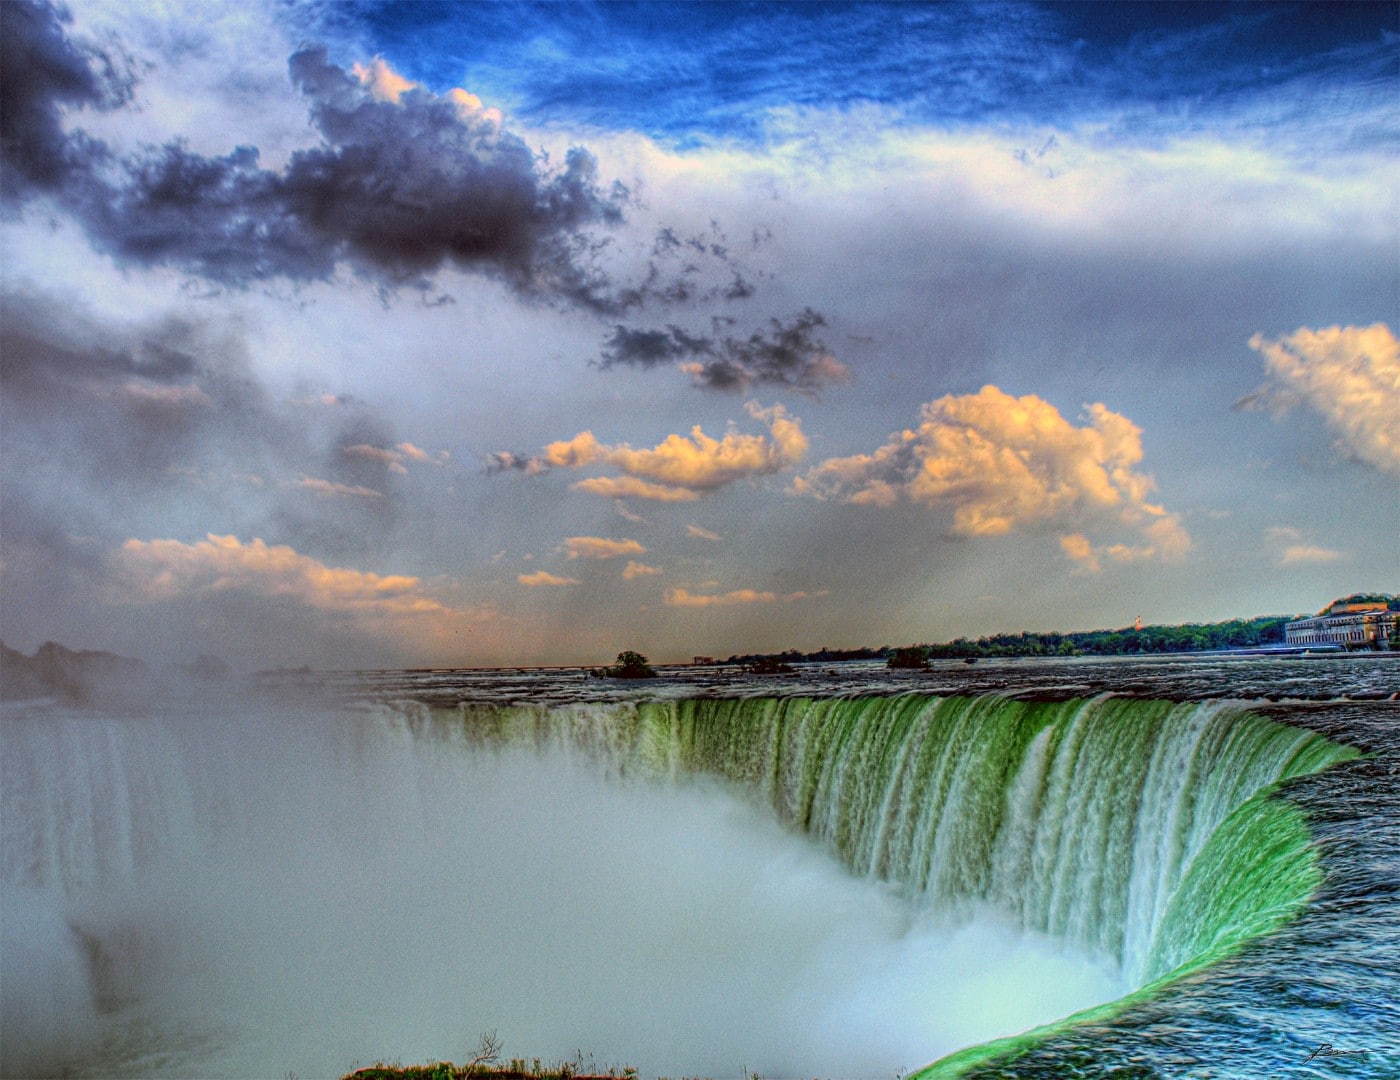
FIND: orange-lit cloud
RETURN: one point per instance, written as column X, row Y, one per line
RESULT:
column 635, row 569
column 163, row 569
column 394, row 458
column 598, row 547
column 284, row 593
column 544, row 578
column 680, row 468
column 1348, row 374
column 386, row 84
column 684, row 598
column 623, row 487
column 1000, row 463
column 381, row 80
column 171, row 397
column 331, row 489
column 703, row 534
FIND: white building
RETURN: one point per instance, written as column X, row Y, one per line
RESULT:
column 1351, row 622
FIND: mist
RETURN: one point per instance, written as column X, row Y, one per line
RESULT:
column 299, row 891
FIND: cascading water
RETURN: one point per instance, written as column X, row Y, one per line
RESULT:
column 1143, row 833
column 1080, row 819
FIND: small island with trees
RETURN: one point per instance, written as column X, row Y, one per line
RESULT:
column 630, row 665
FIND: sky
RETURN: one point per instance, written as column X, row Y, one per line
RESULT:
column 469, row 334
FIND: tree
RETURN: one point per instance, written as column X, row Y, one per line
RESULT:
column 914, row 656
column 631, row 665
column 769, row 665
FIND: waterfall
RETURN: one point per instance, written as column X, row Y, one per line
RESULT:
column 1142, row 833
column 1108, row 822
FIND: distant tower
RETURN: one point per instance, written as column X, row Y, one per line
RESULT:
column 1137, row 623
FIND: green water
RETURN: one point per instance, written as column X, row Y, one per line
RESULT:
column 1144, row 832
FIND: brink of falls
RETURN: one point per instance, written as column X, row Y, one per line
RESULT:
column 423, row 858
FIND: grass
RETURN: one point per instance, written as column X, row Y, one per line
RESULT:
column 516, row 1070
column 485, row 1066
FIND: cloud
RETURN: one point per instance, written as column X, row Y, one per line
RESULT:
column 634, row 569
column 302, row 607
column 154, row 425
column 1348, row 374
column 1080, row 549
column 408, row 450
column 1001, row 464
column 680, row 468
column 544, row 578
column 402, row 183
column 43, row 75
column 171, row 397
column 597, row 547
column 505, row 461
column 791, row 355
column 582, row 449
column 703, row 534
column 624, row 487
column 162, row 569
column 332, row 488
column 392, row 458
column 683, row 598
column 1163, row 539
column 1293, row 549
column 1307, row 553
column 127, row 403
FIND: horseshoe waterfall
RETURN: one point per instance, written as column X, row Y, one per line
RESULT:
column 844, row 875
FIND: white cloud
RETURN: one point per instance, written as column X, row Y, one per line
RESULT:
column 1307, row 553
column 1292, row 548
column 1348, row 374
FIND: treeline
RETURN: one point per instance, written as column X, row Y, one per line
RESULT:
column 821, row 656
column 1189, row 637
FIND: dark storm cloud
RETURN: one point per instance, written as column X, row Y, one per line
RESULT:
column 397, row 189
column 790, row 355
column 43, row 72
